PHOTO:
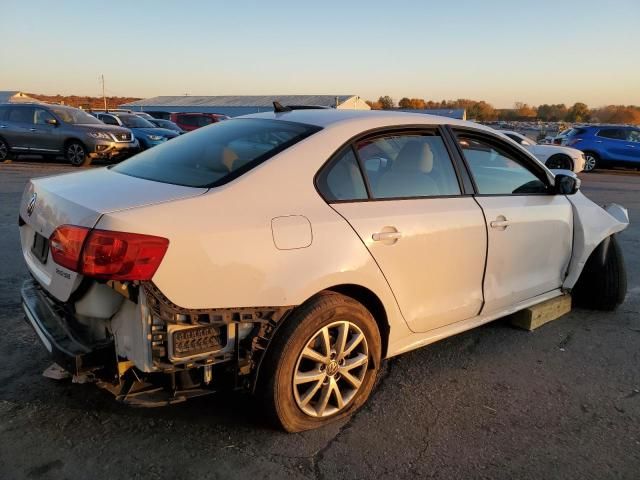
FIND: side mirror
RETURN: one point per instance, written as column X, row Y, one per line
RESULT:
column 51, row 121
column 566, row 184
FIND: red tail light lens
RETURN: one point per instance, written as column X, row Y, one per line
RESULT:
column 122, row 256
column 66, row 245
column 106, row 254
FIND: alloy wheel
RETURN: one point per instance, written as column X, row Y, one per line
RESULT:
column 589, row 163
column 76, row 154
column 330, row 369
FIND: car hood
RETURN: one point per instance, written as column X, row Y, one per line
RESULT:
column 98, row 127
column 155, row 131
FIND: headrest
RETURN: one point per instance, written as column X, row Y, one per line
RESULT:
column 415, row 156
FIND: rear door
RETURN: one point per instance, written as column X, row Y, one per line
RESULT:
column 615, row 145
column 19, row 122
column 530, row 229
column 428, row 238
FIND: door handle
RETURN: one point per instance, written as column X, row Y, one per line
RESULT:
column 382, row 236
column 598, row 141
column 630, row 146
column 3, row 126
column 500, row 222
column 33, row 129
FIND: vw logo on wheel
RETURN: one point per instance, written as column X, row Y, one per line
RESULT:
column 32, row 204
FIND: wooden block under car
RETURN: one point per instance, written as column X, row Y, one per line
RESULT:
column 537, row 315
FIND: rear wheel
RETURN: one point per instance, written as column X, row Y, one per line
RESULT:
column 322, row 365
column 591, row 161
column 5, row 153
column 603, row 282
column 76, row 154
column 559, row 162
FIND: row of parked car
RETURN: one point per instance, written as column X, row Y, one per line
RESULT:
column 80, row 136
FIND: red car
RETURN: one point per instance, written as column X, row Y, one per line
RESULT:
column 192, row 121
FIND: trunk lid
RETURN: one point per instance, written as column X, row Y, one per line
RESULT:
column 80, row 199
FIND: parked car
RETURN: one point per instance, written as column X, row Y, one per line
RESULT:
column 193, row 121
column 553, row 156
column 147, row 133
column 53, row 130
column 606, row 145
column 221, row 260
column 168, row 124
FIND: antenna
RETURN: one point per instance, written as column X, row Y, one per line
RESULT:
column 278, row 108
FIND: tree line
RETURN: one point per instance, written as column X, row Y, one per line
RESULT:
column 483, row 111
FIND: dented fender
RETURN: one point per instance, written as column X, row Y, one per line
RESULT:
column 592, row 224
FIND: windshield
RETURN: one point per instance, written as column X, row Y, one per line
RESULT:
column 134, row 121
column 216, row 154
column 74, row 116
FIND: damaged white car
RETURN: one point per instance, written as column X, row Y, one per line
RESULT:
column 289, row 253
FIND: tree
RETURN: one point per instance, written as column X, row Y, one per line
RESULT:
column 404, row 103
column 578, row 113
column 373, row 105
column 523, row 110
column 386, row 102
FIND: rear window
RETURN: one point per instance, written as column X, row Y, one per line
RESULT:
column 217, row 154
column 575, row 131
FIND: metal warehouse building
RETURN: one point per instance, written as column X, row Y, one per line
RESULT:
column 14, row 96
column 242, row 104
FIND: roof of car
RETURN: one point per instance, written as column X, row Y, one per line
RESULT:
column 326, row 117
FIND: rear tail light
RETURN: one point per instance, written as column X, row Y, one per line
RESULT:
column 106, row 254
column 66, row 245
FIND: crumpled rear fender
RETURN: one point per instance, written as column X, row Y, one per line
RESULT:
column 591, row 225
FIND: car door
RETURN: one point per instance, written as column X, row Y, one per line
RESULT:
column 19, row 122
column 613, row 144
column 530, row 229
column 426, row 235
column 45, row 135
column 633, row 144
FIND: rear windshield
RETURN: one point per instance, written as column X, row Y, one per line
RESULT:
column 215, row 154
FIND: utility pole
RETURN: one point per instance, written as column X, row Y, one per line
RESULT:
column 103, row 95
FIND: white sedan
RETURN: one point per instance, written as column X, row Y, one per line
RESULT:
column 289, row 253
column 553, row 156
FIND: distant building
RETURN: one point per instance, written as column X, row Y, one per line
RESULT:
column 457, row 113
column 235, row 105
column 14, row 96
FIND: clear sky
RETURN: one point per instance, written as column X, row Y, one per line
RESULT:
column 496, row 50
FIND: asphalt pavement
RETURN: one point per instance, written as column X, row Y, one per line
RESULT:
column 494, row 402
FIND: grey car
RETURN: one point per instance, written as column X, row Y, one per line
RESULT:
column 53, row 130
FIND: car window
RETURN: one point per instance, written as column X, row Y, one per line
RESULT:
column 212, row 156
column 21, row 115
column 41, row 116
column 203, row 121
column 613, row 133
column 341, row 179
column 109, row 120
column 632, row 136
column 407, row 165
column 496, row 171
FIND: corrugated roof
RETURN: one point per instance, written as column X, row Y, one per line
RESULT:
column 239, row 100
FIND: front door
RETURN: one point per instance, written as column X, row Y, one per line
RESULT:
column 45, row 139
column 428, row 239
column 530, row 229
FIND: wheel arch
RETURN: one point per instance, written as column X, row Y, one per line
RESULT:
column 73, row 139
column 559, row 155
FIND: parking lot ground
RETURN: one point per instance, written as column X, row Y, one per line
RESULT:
column 496, row 402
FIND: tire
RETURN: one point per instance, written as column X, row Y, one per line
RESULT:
column 76, row 154
column 559, row 161
column 603, row 282
column 287, row 401
column 591, row 161
column 5, row 151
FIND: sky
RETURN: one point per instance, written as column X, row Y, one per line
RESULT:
column 495, row 50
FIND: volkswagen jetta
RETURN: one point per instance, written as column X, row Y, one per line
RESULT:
column 290, row 253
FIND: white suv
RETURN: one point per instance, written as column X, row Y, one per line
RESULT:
column 290, row 253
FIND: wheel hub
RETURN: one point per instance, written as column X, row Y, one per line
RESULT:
column 332, row 368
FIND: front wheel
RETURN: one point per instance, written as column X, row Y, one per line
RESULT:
column 76, row 154
column 5, row 153
column 591, row 161
column 322, row 365
column 559, row 162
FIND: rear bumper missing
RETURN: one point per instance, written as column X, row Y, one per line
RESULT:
column 50, row 321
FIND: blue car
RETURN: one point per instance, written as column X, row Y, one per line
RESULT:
column 147, row 134
column 606, row 145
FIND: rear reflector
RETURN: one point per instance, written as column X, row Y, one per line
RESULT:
column 106, row 254
column 66, row 244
